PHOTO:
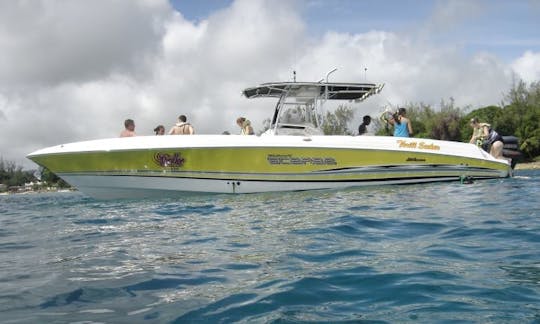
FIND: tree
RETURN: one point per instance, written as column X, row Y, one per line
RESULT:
column 522, row 116
column 420, row 116
column 52, row 179
column 336, row 123
column 446, row 123
column 13, row 175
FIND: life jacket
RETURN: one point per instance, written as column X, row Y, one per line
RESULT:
column 485, row 141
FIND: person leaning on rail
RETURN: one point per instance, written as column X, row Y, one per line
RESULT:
column 487, row 138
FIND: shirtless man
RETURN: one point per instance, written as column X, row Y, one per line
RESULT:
column 129, row 130
column 182, row 127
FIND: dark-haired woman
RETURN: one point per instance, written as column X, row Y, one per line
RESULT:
column 402, row 124
column 159, row 130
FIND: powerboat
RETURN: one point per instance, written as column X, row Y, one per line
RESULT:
column 293, row 154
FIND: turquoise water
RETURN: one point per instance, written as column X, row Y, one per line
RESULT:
column 443, row 252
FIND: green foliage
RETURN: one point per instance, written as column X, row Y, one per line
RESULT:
column 522, row 116
column 51, row 179
column 420, row 116
column 13, row 175
column 336, row 123
column 447, row 124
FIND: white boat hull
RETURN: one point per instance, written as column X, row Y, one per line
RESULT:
column 159, row 166
column 104, row 187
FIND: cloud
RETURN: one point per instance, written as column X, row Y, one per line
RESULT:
column 47, row 42
column 76, row 70
column 412, row 70
column 448, row 14
column 527, row 66
column 205, row 66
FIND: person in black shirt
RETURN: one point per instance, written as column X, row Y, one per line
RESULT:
column 362, row 129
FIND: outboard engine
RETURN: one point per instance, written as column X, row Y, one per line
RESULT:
column 511, row 149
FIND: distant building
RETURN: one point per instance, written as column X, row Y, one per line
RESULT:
column 15, row 189
column 30, row 185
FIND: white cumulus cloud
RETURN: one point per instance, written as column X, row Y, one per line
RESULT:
column 527, row 66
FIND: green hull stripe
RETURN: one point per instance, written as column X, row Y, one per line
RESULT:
column 278, row 161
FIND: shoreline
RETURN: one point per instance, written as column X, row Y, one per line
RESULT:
column 528, row 166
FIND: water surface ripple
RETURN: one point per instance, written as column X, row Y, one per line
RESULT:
column 421, row 253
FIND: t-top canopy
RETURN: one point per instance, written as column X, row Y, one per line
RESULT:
column 335, row 91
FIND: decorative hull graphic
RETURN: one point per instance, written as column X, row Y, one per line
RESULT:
column 172, row 165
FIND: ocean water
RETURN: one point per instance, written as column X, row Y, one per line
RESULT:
column 444, row 252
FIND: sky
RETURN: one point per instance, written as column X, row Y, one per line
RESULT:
column 73, row 70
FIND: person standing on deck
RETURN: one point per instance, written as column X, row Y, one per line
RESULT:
column 245, row 126
column 402, row 124
column 159, row 130
column 129, row 130
column 182, row 127
column 362, row 129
